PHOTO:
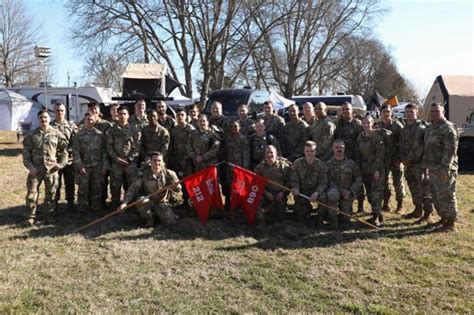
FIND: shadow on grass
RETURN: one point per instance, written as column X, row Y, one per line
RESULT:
column 11, row 152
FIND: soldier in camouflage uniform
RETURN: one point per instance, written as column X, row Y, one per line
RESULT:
column 273, row 122
column 218, row 119
column 154, row 178
column 90, row 162
column 139, row 120
column 322, row 132
column 44, row 153
column 68, row 129
column 308, row 113
column 163, row 119
column 123, row 143
column 392, row 159
column 345, row 181
column 203, row 145
column 309, row 177
column 247, row 124
column 259, row 141
column 348, row 129
column 193, row 116
column 370, row 155
column 273, row 204
column 441, row 162
column 113, row 113
column 155, row 138
column 294, row 135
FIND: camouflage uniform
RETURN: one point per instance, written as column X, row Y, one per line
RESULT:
column 411, row 152
column 348, row 131
column 89, row 153
column 205, row 143
column 158, row 205
column 257, row 147
column 68, row 129
column 154, row 139
column 194, row 123
column 168, row 122
column 441, row 160
column 279, row 173
column 273, row 125
column 138, row 122
column 247, row 127
column 322, row 132
column 392, row 155
column 221, row 122
column 103, row 126
column 310, row 121
column 308, row 179
column 43, row 150
column 293, row 136
column 343, row 175
column 180, row 161
column 123, row 142
column 370, row 155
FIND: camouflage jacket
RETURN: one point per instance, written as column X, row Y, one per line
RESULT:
column 344, row 174
column 221, row 122
column 247, row 127
column 278, row 173
column 168, row 122
column 411, row 142
column 392, row 144
column 237, row 150
column 370, row 152
column 310, row 121
column 155, row 139
column 348, row 131
column 138, row 122
column 124, row 142
column 206, row 144
column 273, row 125
column 103, row 125
column 148, row 182
column 68, row 129
column 322, row 132
column 257, row 147
column 88, row 149
column 440, row 147
column 179, row 141
column 45, row 149
column 293, row 136
column 309, row 178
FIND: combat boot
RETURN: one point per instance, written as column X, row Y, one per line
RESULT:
column 376, row 219
column 70, row 206
column 415, row 214
column 435, row 224
column 426, row 217
column 386, row 207
column 149, row 222
column 360, row 206
column 399, row 207
column 29, row 222
column 334, row 224
column 449, row 226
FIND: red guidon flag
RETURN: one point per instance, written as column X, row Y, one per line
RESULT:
column 203, row 189
column 247, row 190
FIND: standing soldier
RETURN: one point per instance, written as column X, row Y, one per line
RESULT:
column 309, row 177
column 154, row 178
column 294, row 135
column 411, row 152
column 348, row 129
column 273, row 122
column 392, row 159
column 163, row 119
column 370, row 155
column 273, row 204
column 123, row 148
column 203, row 145
column 44, row 153
column 155, row 138
column 113, row 113
column 139, row 120
column 441, row 162
column 345, row 181
column 247, row 124
column 218, row 119
column 308, row 112
column 259, row 141
column 90, row 163
column 322, row 132
column 193, row 113
column 68, row 129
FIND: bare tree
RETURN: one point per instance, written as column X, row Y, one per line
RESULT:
column 105, row 69
column 17, row 40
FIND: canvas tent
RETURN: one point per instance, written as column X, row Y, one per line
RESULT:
column 279, row 102
column 148, row 81
column 456, row 92
column 15, row 109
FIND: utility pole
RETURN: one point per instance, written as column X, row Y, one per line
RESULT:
column 43, row 53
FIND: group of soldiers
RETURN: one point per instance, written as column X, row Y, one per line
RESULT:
column 324, row 163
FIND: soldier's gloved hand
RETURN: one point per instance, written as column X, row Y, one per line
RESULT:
column 314, row 197
column 199, row 159
column 269, row 195
column 33, row 171
column 345, row 193
column 122, row 207
column 280, row 196
column 295, row 191
column 82, row 171
column 176, row 186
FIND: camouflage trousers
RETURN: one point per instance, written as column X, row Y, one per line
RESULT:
column 66, row 175
column 303, row 207
column 443, row 192
column 419, row 187
column 121, row 176
column 90, row 188
column 162, row 211
column 374, row 189
column 182, row 168
column 32, row 187
column 397, row 179
column 272, row 211
column 336, row 200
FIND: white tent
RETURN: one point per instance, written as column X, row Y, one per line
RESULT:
column 15, row 109
column 279, row 102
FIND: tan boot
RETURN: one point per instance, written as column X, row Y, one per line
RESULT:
column 439, row 223
column 399, row 207
column 426, row 217
column 416, row 214
column 29, row 222
column 449, row 226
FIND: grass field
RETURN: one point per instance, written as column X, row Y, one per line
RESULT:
column 225, row 266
